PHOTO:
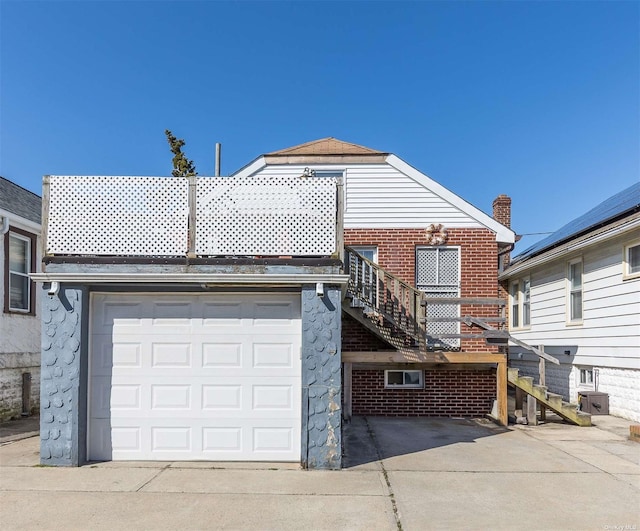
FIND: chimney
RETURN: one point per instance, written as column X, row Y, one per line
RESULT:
column 502, row 210
column 502, row 214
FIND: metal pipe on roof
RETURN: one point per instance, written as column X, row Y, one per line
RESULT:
column 5, row 225
column 216, row 172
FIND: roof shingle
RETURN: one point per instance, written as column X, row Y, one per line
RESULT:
column 19, row 201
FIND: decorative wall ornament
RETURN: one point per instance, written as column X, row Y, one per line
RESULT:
column 436, row 234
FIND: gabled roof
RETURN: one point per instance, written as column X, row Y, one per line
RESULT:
column 330, row 150
column 616, row 207
column 327, row 146
column 19, row 201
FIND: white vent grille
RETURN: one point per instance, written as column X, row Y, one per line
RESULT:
column 121, row 216
column 266, row 216
column 438, row 275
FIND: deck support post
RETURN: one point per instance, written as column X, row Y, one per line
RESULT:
column 501, row 392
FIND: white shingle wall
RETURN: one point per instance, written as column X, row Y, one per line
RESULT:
column 623, row 387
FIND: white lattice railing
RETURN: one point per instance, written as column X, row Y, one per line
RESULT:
column 272, row 216
column 152, row 216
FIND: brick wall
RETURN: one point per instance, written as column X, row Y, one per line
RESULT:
column 479, row 268
column 355, row 337
column 446, row 393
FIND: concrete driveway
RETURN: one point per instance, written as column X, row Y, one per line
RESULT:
column 408, row 474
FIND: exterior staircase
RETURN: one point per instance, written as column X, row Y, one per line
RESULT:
column 391, row 309
column 552, row 401
column 397, row 312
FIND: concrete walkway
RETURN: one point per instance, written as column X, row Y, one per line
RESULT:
column 408, row 474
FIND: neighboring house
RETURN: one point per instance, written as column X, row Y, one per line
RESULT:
column 20, row 325
column 577, row 294
column 222, row 318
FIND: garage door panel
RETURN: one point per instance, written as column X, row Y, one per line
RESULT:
column 171, row 397
column 269, row 440
column 221, row 313
column 172, row 439
column 167, row 355
column 195, row 377
column 272, row 355
column 222, row 439
column 223, row 397
column 223, row 355
column 278, row 313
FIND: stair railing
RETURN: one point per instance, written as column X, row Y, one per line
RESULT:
column 385, row 295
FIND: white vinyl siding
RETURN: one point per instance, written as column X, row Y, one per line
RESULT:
column 608, row 336
column 380, row 196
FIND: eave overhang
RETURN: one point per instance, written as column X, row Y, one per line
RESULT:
column 208, row 279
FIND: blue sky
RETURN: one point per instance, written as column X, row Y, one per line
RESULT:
column 537, row 100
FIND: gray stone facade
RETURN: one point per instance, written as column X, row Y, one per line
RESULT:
column 63, row 390
column 321, row 378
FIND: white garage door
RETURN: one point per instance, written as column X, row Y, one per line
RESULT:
column 195, row 377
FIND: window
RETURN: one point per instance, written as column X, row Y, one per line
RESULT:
column 526, row 302
column 586, row 376
column 632, row 260
column 515, row 304
column 574, row 277
column 404, row 379
column 520, row 296
column 370, row 252
column 19, row 262
column 366, row 277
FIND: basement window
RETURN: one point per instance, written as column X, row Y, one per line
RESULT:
column 404, row 379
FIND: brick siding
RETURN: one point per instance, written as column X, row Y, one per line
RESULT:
column 397, row 255
column 447, row 393
column 357, row 338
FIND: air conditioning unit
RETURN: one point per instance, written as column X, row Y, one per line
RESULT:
column 593, row 402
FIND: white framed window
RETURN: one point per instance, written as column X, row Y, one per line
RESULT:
column 585, row 378
column 18, row 251
column 366, row 276
column 632, row 261
column 405, row 379
column 370, row 252
column 514, row 293
column 520, row 303
column 574, row 291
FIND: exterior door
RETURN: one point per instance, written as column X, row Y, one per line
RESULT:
column 438, row 275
